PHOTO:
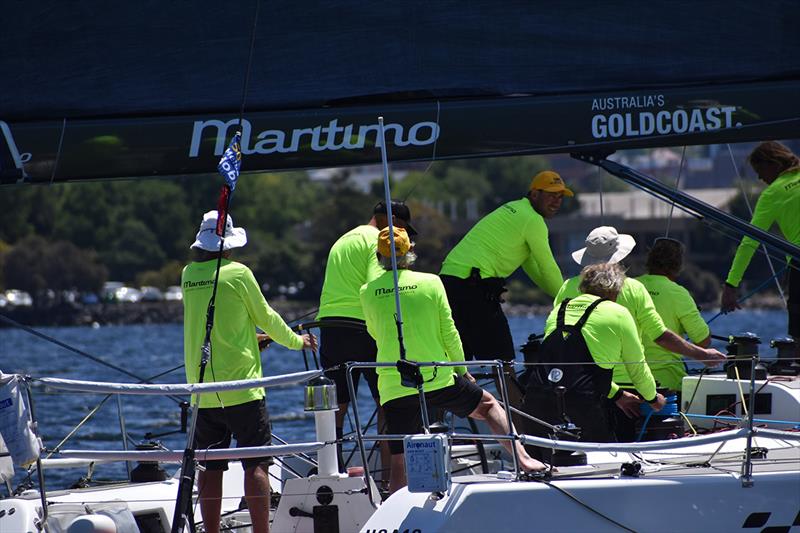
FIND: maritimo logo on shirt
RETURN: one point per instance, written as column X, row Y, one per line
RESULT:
column 317, row 138
column 380, row 291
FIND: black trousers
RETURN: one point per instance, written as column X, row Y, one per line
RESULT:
column 479, row 319
column 589, row 414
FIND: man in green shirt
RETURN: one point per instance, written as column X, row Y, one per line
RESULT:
column 586, row 338
column 779, row 203
column 605, row 245
column 240, row 308
column 513, row 235
column 677, row 309
column 352, row 263
column 429, row 335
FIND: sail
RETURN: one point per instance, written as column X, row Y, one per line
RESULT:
column 93, row 91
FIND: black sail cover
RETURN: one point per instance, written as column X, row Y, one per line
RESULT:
column 94, row 90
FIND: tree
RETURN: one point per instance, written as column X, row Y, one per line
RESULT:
column 36, row 265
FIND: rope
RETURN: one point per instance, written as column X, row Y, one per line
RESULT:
column 78, row 351
column 751, row 293
column 669, row 409
column 587, row 506
column 433, row 155
column 677, row 184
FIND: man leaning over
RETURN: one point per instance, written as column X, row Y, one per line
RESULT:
column 429, row 335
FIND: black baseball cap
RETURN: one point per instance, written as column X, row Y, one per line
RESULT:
column 399, row 210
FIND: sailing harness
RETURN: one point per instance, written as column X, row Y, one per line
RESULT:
column 567, row 361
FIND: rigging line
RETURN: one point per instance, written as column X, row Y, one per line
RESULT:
column 433, row 154
column 750, row 210
column 58, row 151
column 677, row 185
column 586, row 506
column 93, row 411
column 601, row 178
column 57, row 342
column 249, row 63
column 751, row 293
column 730, row 235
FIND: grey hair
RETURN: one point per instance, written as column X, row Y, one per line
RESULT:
column 403, row 261
column 604, row 280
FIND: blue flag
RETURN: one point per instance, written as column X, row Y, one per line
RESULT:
column 231, row 161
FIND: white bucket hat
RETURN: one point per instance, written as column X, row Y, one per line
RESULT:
column 207, row 238
column 604, row 245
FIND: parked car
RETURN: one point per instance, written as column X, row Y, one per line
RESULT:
column 151, row 294
column 19, row 298
column 109, row 290
column 173, row 293
column 127, row 294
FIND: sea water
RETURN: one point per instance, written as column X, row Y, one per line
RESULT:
column 148, row 350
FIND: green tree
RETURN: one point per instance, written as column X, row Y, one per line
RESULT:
column 36, row 265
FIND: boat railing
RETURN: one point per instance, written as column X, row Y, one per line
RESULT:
column 74, row 457
column 746, row 429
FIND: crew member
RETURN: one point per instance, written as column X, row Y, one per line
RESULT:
column 606, row 245
column 429, row 334
column 474, row 272
column 584, row 337
column 242, row 414
column 779, row 168
column 677, row 309
column 352, row 263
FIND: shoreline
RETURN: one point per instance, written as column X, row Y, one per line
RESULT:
column 171, row 312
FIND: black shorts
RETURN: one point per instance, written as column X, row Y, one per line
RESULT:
column 403, row 414
column 248, row 423
column 340, row 344
column 480, row 320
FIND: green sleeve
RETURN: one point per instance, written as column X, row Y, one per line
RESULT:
column 614, row 390
column 447, row 327
column 540, row 266
column 633, row 357
column 650, row 324
column 265, row 317
column 560, row 295
column 690, row 318
column 764, row 215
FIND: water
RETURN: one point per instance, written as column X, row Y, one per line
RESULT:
column 147, row 350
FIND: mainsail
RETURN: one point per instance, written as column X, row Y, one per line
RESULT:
column 96, row 91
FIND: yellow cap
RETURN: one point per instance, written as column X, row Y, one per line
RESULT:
column 401, row 242
column 550, row 181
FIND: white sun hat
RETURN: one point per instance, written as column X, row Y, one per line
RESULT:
column 207, row 238
column 604, row 245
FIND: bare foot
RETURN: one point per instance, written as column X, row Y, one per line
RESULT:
column 529, row 464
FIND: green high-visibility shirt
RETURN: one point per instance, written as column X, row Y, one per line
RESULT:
column 779, row 202
column 240, row 308
column 351, row 263
column 612, row 340
column 680, row 314
column 429, row 333
column 633, row 297
column 511, row 236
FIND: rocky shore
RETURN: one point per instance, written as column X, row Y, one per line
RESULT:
column 171, row 312
column 117, row 313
